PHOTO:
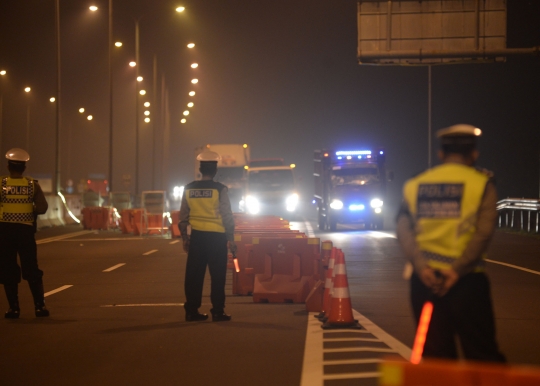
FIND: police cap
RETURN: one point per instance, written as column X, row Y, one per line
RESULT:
column 461, row 134
column 208, row 156
column 17, row 155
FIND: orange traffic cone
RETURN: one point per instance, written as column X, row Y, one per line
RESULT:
column 340, row 315
column 327, row 297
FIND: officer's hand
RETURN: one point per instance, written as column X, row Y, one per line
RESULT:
column 431, row 280
column 185, row 243
column 450, row 278
column 232, row 247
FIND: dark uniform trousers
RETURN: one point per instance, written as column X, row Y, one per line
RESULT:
column 466, row 310
column 18, row 239
column 206, row 248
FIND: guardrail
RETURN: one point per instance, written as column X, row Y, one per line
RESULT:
column 519, row 213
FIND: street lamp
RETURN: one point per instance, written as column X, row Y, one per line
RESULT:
column 194, row 65
column 191, row 45
column 190, row 104
column 180, row 9
column 2, row 73
column 27, row 91
column 195, row 81
column 192, row 93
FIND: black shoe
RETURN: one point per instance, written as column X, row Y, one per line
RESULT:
column 221, row 317
column 42, row 312
column 196, row 317
column 12, row 313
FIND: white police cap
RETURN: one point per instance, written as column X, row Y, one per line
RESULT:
column 461, row 130
column 208, row 156
column 17, row 155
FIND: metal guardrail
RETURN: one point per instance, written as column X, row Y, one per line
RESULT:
column 527, row 210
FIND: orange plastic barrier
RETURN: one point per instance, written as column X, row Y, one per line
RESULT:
column 175, row 218
column 126, row 220
column 289, row 269
column 96, row 217
column 138, row 222
column 243, row 281
column 397, row 372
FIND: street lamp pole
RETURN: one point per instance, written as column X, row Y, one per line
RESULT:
column 110, row 97
column 137, row 71
column 58, row 99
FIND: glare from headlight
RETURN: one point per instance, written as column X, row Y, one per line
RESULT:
column 291, row 202
column 336, row 204
column 376, row 203
column 252, row 205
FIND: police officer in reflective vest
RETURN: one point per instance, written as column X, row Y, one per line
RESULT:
column 206, row 207
column 444, row 226
column 22, row 200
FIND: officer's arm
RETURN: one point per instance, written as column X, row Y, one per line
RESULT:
column 485, row 227
column 40, row 203
column 226, row 214
column 184, row 217
column 406, row 236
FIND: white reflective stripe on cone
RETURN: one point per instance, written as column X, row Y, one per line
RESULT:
column 340, row 293
column 339, row 269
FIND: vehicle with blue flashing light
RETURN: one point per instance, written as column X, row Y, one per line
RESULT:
column 270, row 190
column 350, row 187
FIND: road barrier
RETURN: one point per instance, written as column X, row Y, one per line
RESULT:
column 96, row 217
column 519, row 214
column 397, row 372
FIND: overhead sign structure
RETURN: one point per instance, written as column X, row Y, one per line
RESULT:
column 423, row 32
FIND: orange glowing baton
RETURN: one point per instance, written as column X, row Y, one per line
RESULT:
column 235, row 260
column 421, row 332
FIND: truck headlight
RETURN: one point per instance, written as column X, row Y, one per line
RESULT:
column 376, row 203
column 291, row 202
column 336, row 204
column 252, row 205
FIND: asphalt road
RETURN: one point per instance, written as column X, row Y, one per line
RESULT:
column 126, row 325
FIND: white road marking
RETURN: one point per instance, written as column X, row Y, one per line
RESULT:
column 145, row 305
column 64, row 287
column 313, row 365
column 113, row 267
column 150, row 252
column 110, row 239
column 57, row 238
column 513, row 266
column 309, row 229
column 352, row 375
column 174, row 242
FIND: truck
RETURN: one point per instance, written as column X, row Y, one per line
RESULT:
column 270, row 190
column 350, row 187
column 231, row 168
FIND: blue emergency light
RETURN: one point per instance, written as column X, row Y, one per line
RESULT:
column 353, row 152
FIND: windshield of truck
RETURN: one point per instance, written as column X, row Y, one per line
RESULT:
column 267, row 180
column 225, row 175
column 355, row 176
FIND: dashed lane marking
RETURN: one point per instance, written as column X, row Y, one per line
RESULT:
column 114, row 267
column 174, row 242
column 150, row 252
column 62, row 237
column 64, row 287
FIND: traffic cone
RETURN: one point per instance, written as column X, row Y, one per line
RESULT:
column 327, row 297
column 340, row 315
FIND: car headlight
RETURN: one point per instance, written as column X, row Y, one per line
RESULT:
column 291, row 202
column 376, row 203
column 336, row 204
column 252, row 205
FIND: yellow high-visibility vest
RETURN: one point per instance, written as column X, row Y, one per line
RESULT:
column 17, row 200
column 203, row 200
column 444, row 202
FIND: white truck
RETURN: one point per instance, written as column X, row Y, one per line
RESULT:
column 231, row 168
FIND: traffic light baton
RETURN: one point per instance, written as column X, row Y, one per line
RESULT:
column 235, row 260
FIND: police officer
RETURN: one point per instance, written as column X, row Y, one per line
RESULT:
column 444, row 226
column 206, row 207
column 22, row 200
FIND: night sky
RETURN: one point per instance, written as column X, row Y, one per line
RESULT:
column 280, row 75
